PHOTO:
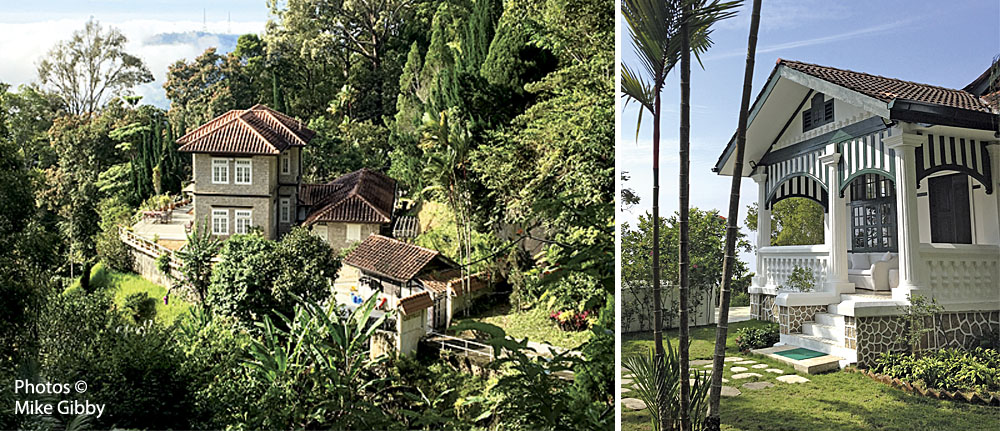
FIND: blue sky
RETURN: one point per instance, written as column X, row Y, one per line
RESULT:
column 28, row 29
column 920, row 41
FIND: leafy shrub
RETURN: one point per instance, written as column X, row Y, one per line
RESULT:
column 651, row 373
column 800, row 280
column 133, row 372
column 110, row 248
column 948, row 369
column 256, row 276
column 756, row 338
column 140, row 307
column 739, row 299
column 570, row 320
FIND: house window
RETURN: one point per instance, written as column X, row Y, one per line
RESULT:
column 220, row 171
column 354, row 232
column 243, row 221
column 873, row 214
column 243, row 168
column 286, row 163
column 820, row 113
column 220, row 222
column 285, row 210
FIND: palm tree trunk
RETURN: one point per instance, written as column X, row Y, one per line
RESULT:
column 657, row 301
column 713, row 421
column 685, row 180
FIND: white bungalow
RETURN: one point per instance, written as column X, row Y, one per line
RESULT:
column 907, row 175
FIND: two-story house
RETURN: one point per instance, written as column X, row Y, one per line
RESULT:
column 246, row 169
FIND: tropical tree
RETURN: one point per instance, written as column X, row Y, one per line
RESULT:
column 652, row 26
column 93, row 66
column 196, row 258
column 712, row 422
column 656, row 28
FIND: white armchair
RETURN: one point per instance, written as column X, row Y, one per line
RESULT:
column 871, row 270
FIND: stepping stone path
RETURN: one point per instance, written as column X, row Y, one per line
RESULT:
column 725, row 380
column 738, row 369
column 791, row 378
column 775, row 370
column 729, row 391
column 626, row 381
column 700, row 362
column 732, row 359
column 745, row 375
column 707, row 366
column 746, row 362
column 633, row 403
column 624, row 390
column 758, row 385
column 760, row 366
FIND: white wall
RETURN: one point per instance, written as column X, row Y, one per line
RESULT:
column 411, row 329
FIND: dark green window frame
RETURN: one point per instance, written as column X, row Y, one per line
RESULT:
column 873, row 214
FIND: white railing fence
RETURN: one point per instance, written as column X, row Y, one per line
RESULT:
column 962, row 273
column 778, row 262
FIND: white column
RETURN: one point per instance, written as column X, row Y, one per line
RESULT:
column 908, row 227
column 763, row 225
column 836, row 227
column 994, row 150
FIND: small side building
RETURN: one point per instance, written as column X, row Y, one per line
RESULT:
column 348, row 209
column 425, row 287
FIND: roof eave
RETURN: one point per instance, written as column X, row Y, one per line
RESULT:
column 921, row 112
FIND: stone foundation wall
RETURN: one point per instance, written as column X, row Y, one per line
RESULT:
column 145, row 265
column 879, row 334
column 791, row 318
column 850, row 333
column 762, row 307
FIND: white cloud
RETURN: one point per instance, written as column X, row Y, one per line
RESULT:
column 22, row 45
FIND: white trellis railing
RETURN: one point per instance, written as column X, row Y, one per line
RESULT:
column 778, row 262
column 962, row 273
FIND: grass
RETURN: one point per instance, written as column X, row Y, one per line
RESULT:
column 122, row 285
column 831, row 401
column 533, row 324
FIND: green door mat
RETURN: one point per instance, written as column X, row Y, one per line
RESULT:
column 800, row 354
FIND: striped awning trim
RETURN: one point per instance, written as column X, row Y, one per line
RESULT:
column 866, row 154
column 950, row 153
column 799, row 186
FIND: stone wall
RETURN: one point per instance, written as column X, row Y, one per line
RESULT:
column 762, row 307
column 791, row 318
column 878, row 334
column 145, row 265
column 262, row 213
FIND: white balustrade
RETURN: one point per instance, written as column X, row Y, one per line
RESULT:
column 778, row 262
column 962, row 273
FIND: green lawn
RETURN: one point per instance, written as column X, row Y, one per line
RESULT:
column 534, row 324
column 124, row 284
column 831, row 401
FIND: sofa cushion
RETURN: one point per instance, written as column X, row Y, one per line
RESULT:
column 860, row 261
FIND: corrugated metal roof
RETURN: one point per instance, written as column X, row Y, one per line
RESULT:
column 258, row 130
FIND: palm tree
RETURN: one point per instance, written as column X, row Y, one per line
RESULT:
column 713, row 422
column 653, row 27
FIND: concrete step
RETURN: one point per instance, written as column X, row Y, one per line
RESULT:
column 829, row 319
column 829, row 332
column 815, row 365
column 821, row 344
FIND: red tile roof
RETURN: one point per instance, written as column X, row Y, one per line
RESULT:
column 390, row 257
column 362, row 196
column 889, row 89
column 416, row 302
column 258, row 130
